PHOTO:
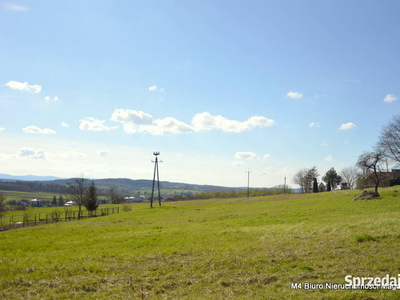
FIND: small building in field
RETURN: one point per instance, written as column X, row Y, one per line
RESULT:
column 36, row 203
column 70, row 203
column 136, row 199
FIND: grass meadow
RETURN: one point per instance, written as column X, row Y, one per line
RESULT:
column 209, row 249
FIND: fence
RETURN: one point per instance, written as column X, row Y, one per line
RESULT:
column 27, row 219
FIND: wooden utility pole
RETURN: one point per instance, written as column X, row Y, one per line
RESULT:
column 284, row 186
column 248, row 183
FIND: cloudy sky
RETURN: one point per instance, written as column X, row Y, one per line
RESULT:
column 218, row 87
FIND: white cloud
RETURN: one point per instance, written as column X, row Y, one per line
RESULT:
column 390, row 98
column 238, row 163
column 160, row 126
column 173, row 125
column 265, row 156
column 153, row 88
column 328, row 158
column 245, row 155
column 206, row 121
column 294, row 95
column 24, row 86
column 35, row 129
column 31, row 153
column 49, row 99
column 103, row 153
column 2, row 129
column 347, row 126
column 64, row 124
column 93, row 124
column 314, row 124
column 15, row 7
column 324, row 144
column 138, row 121
column 128, row 116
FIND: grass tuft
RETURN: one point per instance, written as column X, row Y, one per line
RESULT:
column 365, row 237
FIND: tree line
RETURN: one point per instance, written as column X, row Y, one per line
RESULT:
column 371, row 167
column 307, row 179
column 237, row 193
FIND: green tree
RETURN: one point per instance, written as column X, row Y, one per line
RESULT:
column 54, row 202
column 310, row 179
column 91, row 201
column 332, row 179
column 60, row 201
column 2, row 204
column 315, row 186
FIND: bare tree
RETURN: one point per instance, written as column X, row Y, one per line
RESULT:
column 311, row 179
column 115, row 196
column 389, row 140
column 305, row 179
column 77, row 190
column 371, row 162
column 350, row 175
column 299, row 179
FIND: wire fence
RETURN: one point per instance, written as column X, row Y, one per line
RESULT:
column 30, row 219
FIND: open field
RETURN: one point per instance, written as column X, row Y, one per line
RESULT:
column 14, row 195
column 210, row 249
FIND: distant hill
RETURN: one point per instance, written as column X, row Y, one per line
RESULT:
column 125, row 185
column 6, row 177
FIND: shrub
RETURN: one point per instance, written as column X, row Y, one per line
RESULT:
column 126, row 207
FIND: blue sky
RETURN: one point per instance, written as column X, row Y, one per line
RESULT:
column 218, row 87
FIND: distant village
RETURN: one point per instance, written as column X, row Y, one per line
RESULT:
column 129, row 199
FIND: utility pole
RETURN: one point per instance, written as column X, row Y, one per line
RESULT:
column 284, row 186
column 248, row 183
column 154, row 179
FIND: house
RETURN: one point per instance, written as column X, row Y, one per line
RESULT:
column 36, row 203
column 24, row 202
column 70, row 203
column 386, row 178
column 396, row 177
column 136, row 199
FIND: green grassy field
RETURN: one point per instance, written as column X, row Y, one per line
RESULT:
column 211, row 249
column 14, row 195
